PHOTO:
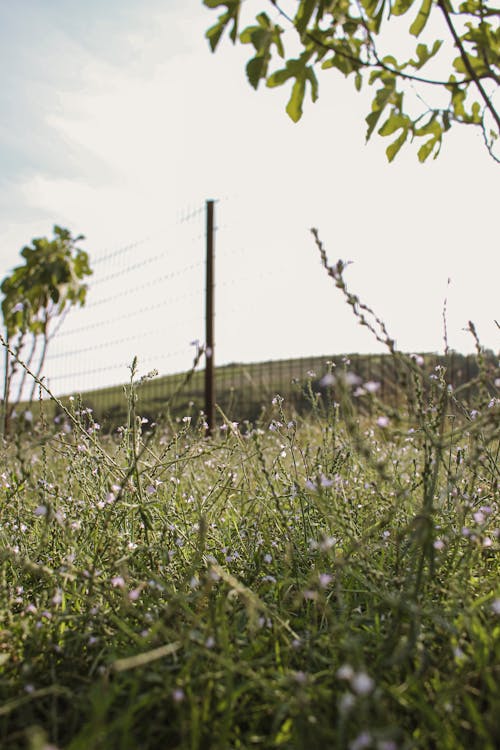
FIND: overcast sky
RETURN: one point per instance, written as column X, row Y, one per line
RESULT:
column 116, row 119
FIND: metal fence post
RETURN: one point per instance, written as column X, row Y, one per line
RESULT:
column 209, row 320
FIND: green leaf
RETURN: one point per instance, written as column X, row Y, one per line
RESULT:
column 284, row 734
column 256, row 70
column 424, row 54
column 303, row 15
column 396, row 145
column 433, row 127
column 294, row 106
column 231, row 15
column 279, row 77
column 382, row 98
column 375, row 11
column 400, row 7
column 214, row 34
column 393, row 123
column 420, row 21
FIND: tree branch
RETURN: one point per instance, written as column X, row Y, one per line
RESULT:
column 467, row 63
column 378, row 62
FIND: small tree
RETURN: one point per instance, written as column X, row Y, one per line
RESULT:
column 36, row 294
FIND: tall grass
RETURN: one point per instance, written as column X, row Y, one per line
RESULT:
column 329, row 581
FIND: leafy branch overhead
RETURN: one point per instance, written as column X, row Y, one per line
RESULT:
column 347, row 35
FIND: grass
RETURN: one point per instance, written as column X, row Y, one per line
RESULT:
column 305, row 582
column 328, row 580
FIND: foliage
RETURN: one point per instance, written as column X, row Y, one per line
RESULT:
column 331, row 581
column 41, row 290
column 347, row 35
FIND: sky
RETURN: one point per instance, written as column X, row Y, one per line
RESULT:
column 117, row 122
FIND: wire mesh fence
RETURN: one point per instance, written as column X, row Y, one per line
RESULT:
column 146, row 300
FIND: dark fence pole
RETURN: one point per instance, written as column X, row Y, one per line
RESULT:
column 209, row 321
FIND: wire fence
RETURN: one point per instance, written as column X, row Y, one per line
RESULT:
column 146, row 300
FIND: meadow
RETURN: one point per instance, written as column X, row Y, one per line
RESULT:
column 327, row 580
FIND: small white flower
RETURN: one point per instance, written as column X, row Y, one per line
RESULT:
column 383, row 421
column 361, row 742
column 362, row 684
column 347, row 703
column 352, row 379
column 345, row 672
column 327, row 380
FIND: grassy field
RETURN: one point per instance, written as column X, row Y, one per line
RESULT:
column 300, row 582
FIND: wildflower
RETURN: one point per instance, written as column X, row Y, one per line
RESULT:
column 269, row 579
column 326, row 543
column 19, row 307
column 210, row 642
column 383, row 421
column 372, row 386
column 362, row 684
column 439, row 545
column 474, row 413
column 310, row 595
column 268, row 558
column 118, row 582
column 324, row 580
column 495, row 606
column 352, row 379
column 134, row 594
column 362, row 741
column 41, row 510
column 345, row 672
column 300, row 677
column 346, row 703
column 178, row 695
column 327, row 380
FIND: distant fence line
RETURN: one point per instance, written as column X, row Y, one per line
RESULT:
column 150, row 299
column 245, row 391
